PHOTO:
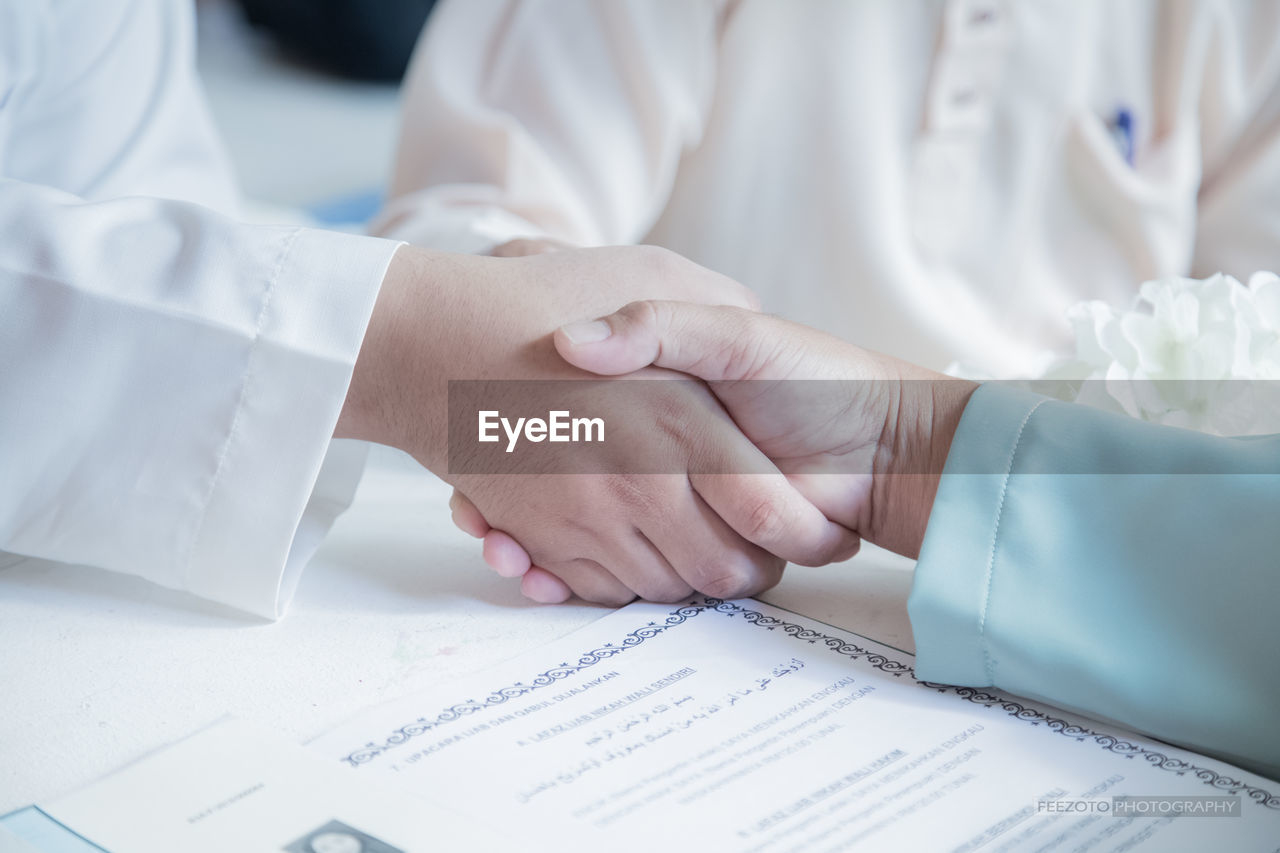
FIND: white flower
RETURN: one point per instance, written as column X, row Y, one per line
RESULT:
column 1202, row 354
column 1258, row 345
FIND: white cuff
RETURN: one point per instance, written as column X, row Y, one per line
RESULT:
column 269, row 505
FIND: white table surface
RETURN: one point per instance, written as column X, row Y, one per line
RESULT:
column 99, row 668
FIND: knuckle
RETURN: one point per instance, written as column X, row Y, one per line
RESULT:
column 592, row 582
column 642, row 313
column 764, row 523
column 748, row 347
column 616, row 598
column 730, row 585
column 636, row 493
column 722, row 575
column 665, row 590
column 659, row 259
column 677, row 408
column 667, row 272
column 744, row 578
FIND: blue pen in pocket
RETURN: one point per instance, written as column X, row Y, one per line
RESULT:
column 1121, row 127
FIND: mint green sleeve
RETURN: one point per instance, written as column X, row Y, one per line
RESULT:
column 1122, row 569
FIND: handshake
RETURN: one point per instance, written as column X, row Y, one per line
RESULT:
column 791, row 445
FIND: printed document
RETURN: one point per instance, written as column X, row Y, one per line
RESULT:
column 737, row 726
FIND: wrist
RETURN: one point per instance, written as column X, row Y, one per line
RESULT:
column 919, row 426
column 392, row 398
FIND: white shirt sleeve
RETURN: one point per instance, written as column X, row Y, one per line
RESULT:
column 169, row 378
column 170, row 383
column 564, row 119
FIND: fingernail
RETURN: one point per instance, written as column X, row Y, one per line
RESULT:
column 587, row 332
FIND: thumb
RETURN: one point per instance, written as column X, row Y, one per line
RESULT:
column 710, row 342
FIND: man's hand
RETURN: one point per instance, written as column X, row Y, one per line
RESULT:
column 862, row 435
column 442, row 317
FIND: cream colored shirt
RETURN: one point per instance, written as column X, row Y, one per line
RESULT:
column 938, row 180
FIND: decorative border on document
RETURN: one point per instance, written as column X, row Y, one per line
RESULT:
column 1110, row 743
column 370, row 751
column 840, row 646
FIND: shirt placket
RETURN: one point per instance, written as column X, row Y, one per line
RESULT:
column 959, row 101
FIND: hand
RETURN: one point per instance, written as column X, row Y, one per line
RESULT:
column 442, row 317
column 503, row 554
column 866, row 446
column 861, row 435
